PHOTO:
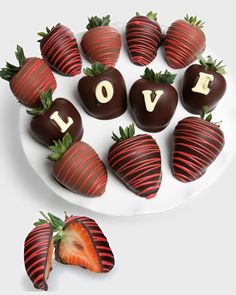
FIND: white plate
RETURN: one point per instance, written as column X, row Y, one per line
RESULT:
column 118, row 200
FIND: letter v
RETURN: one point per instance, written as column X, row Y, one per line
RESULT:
column 150, row 105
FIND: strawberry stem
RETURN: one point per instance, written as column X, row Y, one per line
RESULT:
column 150, row 14
column 166, row 77
column 208, row 117
column 10, row 70
column 192, row 20
column 43, row 34
column 96, row 69
column 95, row 22
column 60, row 147
column 45, row 103
column 125, row 133
column 212, row 64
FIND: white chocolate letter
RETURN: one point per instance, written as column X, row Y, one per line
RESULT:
column 150, row 105
column 63, row 126
column 109, row 91
column 202, row 83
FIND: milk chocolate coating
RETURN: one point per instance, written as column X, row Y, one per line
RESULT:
column 193, row 101
column 112, row 109
column 164, row 110
column 45, row 130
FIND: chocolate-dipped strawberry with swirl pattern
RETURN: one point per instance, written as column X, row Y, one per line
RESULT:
column 29, row 78
column 143, row 38
column 77, row 167
column 60, row 50
column 38, row 250
column 184, row 40
column 197, row 143
column 101, row 43
column 136, row 161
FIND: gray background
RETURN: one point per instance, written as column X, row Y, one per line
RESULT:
column 188, row 251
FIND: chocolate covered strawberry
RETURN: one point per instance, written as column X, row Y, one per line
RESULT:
column 38, row 250
column 203, row 84
column 197, row 143
column 84, row 244
column 29, row 78
column 60, row 49
column 53, row 119
column 78, row 167
column 143, row 37
column 184, row 40
column 136, row 161
column 153, row 100
column 101, row 42
column 102, row 92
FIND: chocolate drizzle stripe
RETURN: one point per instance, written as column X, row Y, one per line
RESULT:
column 61, row 51
column 197, row 143
column 104, row 252
column 34, row 76
column 102, row 44
column 82, row 171
column 137, row 162
column 143, row 37
column 182, row 43
column 37, row 245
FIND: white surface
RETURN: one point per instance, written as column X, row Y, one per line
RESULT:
column 117, row 200
column 186, row 251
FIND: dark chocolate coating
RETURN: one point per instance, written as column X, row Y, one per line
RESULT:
column 164, row 110
column 112, row 109
column 137, row 163
column 193, row 101
column 45, row 130
column 197, row 143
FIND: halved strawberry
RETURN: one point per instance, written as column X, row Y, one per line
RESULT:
column 31, row 77
column 38, row 250
column 84, row 244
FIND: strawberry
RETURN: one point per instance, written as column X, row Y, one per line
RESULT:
column 38, row 250
column 52, row 119
column 203, row 84
column 197, row 143
column 60, row 50
column 101, row 42
column 143, row 37
column 102, row 92
column 136, row 160
column 78, row 167
column 29, row 78
column 184, row 40
column 153, row 100
column 84, row 244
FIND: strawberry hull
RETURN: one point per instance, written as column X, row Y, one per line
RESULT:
column 102, row 44
column 197, row 143
column 137, row 163
column 85, row 245
column 35, row 76
column 60, row 49
column 38, row 249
